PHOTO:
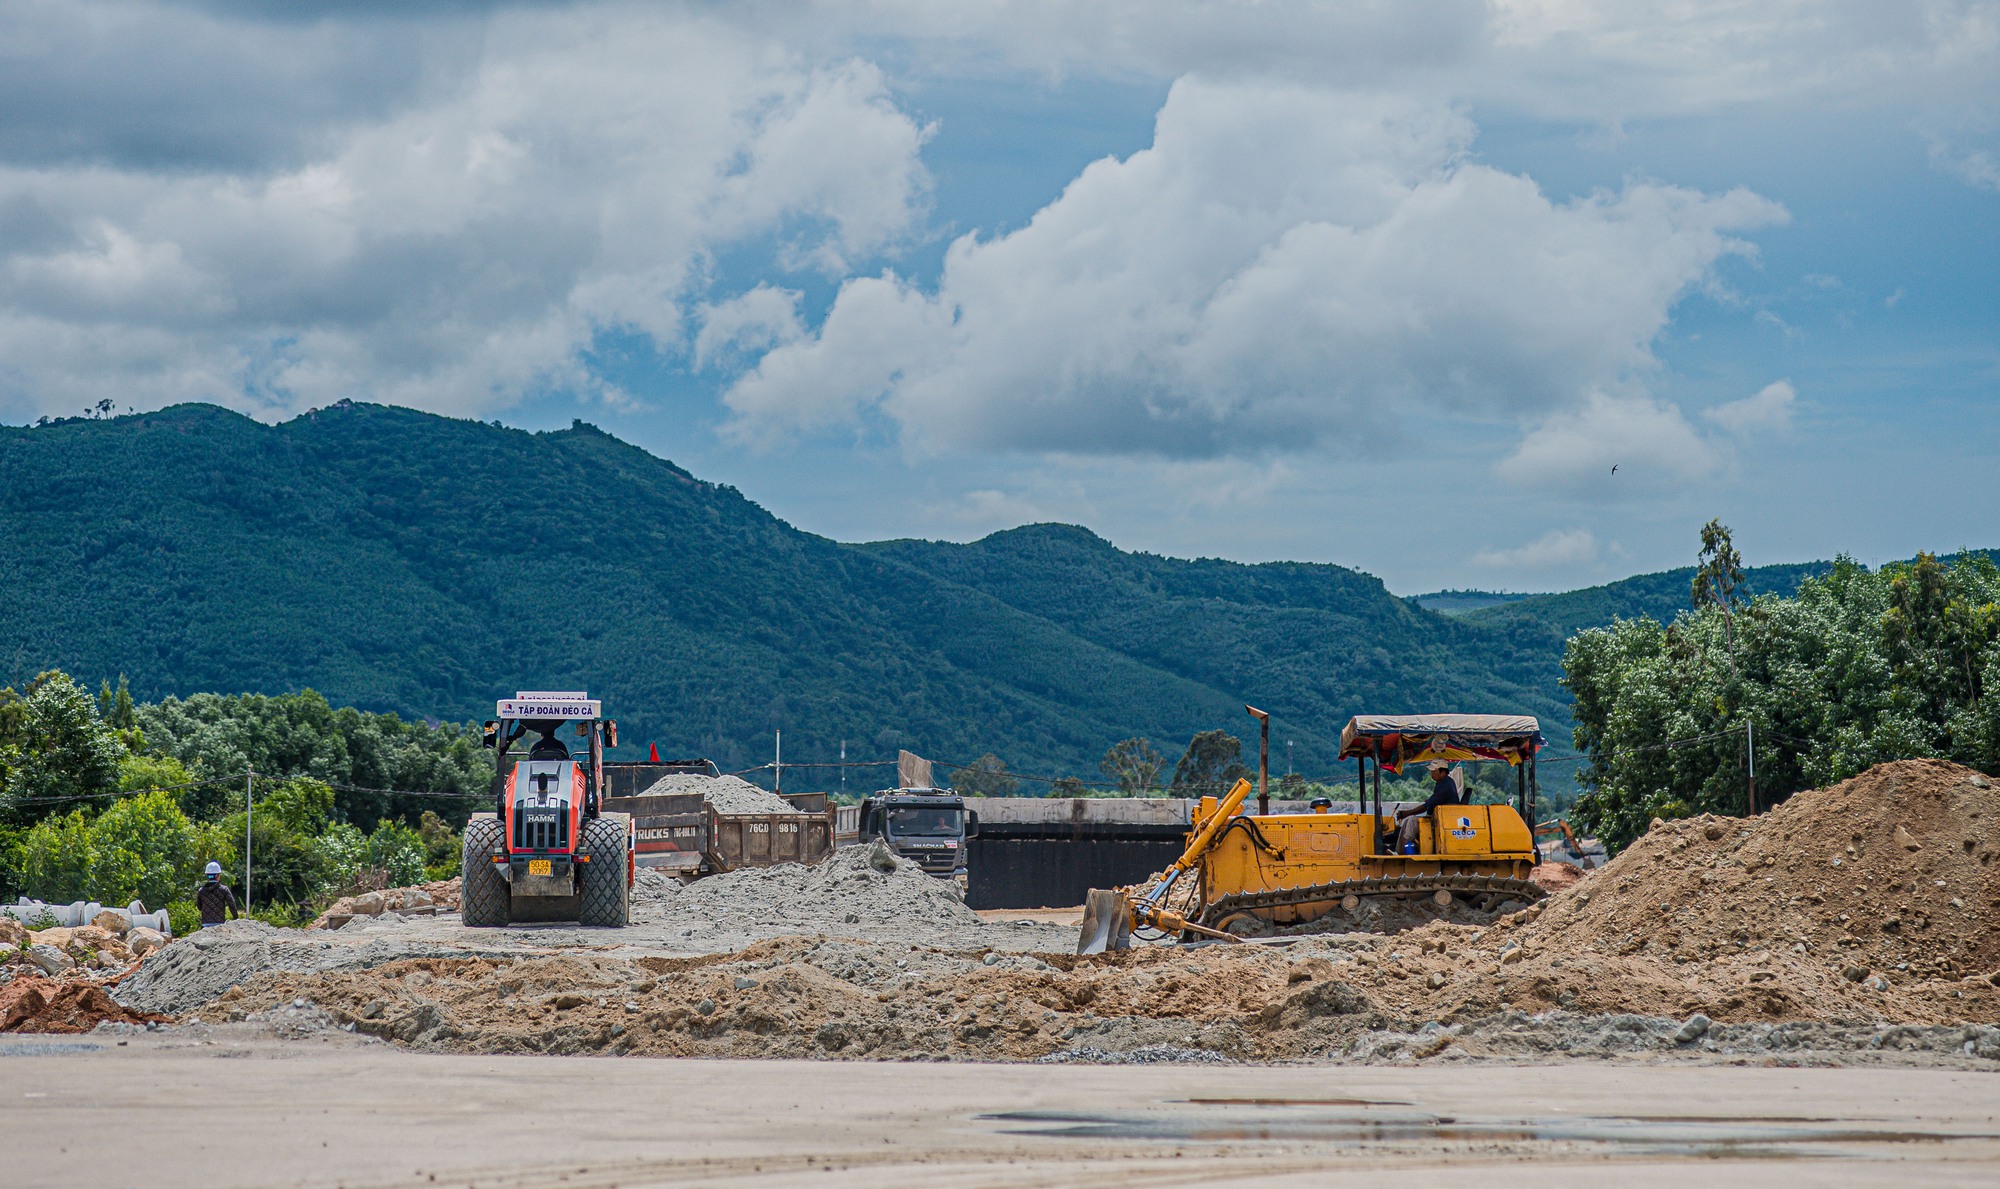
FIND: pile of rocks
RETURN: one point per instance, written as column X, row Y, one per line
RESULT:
column 107, row 944
column 419, row 900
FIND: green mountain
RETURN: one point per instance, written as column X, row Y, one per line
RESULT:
column 395, row 560
column 399, row 561
column 1660, row 596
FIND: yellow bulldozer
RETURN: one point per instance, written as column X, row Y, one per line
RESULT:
column 1249, row 873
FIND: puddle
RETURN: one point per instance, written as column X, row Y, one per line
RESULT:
column 1392, row 1124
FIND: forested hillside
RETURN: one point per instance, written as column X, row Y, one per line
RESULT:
column 395, row 560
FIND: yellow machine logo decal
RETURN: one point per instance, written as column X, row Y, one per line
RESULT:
column 1465, row 829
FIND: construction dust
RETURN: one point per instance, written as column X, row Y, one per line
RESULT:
column 1849, row 925
column 729, row 795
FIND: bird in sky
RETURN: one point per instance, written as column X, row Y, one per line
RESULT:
column 1614, row 468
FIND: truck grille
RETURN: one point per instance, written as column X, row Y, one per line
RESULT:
column 541, row 835
column 936, row 862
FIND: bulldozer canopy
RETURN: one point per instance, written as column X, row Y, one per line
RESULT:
column 1393, row 740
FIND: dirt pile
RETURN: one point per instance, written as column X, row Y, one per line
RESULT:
column 196, row 969
column 726, row 794
column 32, row 1003
column 1865, row 901
column 829, row 998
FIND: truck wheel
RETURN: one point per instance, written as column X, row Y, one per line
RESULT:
column 607, row 898
column 484, row 898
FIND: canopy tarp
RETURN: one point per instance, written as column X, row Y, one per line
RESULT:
column 1393, row 740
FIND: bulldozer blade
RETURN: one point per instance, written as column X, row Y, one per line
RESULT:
column 1107, row 923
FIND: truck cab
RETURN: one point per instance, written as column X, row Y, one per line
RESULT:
column 929, row 827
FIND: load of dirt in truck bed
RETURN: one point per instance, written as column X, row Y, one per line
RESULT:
column 857, row 885
column 727, row 794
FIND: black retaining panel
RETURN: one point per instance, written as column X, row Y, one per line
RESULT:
column 1054, row 864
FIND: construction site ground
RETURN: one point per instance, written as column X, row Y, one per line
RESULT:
column 230, row 1105
column 1844, row 940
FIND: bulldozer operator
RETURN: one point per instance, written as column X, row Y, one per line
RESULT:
column 1446, row 789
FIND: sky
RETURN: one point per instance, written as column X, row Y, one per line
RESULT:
column 1507, row 295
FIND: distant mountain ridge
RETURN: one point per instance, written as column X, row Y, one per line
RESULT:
column 397, row 560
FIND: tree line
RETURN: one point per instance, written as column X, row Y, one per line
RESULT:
column 1855, row 669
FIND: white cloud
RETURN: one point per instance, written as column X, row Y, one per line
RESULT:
column 1555, row 548
column 464, row 250
column 1649, row 441
column 1771, row 408
column 1975, row 167
column 1285, row 266
column 751, row 322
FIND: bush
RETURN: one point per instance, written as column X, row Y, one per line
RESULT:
column 143, row 849
column 184, row 917
column 398, row 851
column 57, row 857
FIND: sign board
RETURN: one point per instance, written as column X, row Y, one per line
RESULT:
column 549, row 706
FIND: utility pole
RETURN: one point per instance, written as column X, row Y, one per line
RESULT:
column 1263, row 760
column 247, row 775
column 778, row 765
column 1750, row 744
column 843, row 767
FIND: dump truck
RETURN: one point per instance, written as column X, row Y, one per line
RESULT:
column 1243, row 874
column 928, row 826
column 684, row 837
column 548, row 850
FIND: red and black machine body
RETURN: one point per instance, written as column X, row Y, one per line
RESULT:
column 548, row 851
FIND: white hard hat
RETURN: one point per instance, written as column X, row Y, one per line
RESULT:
column 212, row 869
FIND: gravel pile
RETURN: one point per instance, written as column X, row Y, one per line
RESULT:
column 194, row 970
column 728, row 794
column 860, row 885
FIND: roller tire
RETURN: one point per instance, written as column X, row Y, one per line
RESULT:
column 485, row 901
column 607, row 897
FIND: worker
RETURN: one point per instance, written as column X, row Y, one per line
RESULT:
column 1322, row 805
column 1445, row 790
column 216, row 902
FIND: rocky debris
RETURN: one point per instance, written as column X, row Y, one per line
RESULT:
column 420, row 899
column 144, row 941
column 12, row 932
column 1554, row 877
column 726, row 794
column 115, row 923
column 35, row 1004
column 50, row 959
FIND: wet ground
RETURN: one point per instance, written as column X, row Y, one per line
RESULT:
column 234, row 1105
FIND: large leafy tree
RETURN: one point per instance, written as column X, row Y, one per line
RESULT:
column 65, row 754
column 1133, row 766
column 1856, row 669
column 1212, row 762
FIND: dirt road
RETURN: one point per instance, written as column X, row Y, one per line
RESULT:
column 236, row 1107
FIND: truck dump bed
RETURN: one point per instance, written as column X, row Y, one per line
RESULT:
column 682, row 835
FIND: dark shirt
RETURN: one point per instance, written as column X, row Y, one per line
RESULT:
column 214, row 898
column 1443, row 792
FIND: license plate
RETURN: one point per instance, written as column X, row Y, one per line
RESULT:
column 539, row 867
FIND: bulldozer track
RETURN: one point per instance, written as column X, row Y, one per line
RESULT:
column 1393, row 886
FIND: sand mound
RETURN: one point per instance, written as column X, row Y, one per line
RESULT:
column 32, row 1004
column 726, row 794
column 1867, row 900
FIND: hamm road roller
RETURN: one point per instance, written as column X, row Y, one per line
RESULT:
column 547, row 851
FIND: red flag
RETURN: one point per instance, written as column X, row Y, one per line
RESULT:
column 655, row 748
